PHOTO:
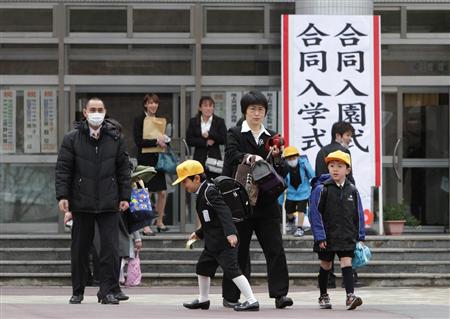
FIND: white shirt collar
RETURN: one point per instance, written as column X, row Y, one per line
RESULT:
column 198, row 190
column 92, row 131
column 245, row 128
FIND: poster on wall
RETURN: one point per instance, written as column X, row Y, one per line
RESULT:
column 233, row 108
column 330, row 73
column 48, row 121
column 219, row 104
column 8, row 121
column 31, row 121
column 271, row 117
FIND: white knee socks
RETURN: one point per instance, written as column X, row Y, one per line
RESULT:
column 203, row 287
column 244, row 286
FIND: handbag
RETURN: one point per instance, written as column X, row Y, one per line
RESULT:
column 362, row 256
column 134, row 275
column 141, row 211
column 214, row 165
column 167, row 162
column 270, row 184
column 140, row 198
column 244, row 176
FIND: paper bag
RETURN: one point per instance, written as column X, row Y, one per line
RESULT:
column 153, row 128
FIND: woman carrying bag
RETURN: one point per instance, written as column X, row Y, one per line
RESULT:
column 160, row 142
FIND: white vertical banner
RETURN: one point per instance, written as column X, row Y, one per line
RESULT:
column 271, row 118
column 331, row 73
column 49, row 120
column 233, row 108
column 31, row 121
column 8, row 121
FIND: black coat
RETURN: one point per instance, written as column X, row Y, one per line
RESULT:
column 217, row 132
column 147, row 159
column 239, row 144
column 94, row 175
column 340, row 214
column 220, row 225
column 321, row 166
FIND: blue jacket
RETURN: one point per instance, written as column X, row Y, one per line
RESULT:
column 304, row 189
column 336, row 215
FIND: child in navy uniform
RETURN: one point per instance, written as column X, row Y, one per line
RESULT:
column 337, row 223
column 219, row 234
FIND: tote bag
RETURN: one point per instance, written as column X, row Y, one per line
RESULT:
column 134, row 274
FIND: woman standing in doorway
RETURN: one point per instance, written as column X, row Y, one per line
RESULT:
column 206, row 132
column 158, row 183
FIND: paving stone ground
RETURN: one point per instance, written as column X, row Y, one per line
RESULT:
column 166, row 302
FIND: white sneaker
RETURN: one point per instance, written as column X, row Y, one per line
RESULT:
column 299, row 232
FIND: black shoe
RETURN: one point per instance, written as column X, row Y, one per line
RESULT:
column 197, row 305
column 108, row 299
column 121, row 296
column 162, row 229
column 283, row 302
column 246, row 306
column 148, row 233
column 230, row 304
column 76, row 299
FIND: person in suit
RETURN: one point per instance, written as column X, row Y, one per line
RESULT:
column 158, row 183
column 250, row 139
column 219, row 234
column 92, row 180
column 206, row 132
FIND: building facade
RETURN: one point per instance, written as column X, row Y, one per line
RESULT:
column 54, row 55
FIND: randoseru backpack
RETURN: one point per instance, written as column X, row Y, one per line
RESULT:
column 235, row 196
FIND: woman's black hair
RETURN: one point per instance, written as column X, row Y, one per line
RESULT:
column 252, row 98
column 203, row 99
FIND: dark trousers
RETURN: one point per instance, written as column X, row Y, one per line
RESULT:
column 227, row 259
column 83, row 231
column 269, row 236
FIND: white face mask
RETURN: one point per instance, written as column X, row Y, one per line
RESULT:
column 95, row 119
column 292, row 163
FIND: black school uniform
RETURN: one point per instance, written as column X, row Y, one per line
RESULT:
column 216, row 225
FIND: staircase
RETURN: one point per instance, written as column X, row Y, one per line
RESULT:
column 409, row 260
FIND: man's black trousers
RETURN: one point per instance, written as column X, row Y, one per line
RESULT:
column 269, row 236
column 83, row 231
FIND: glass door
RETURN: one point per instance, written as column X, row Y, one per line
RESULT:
column 416, row 152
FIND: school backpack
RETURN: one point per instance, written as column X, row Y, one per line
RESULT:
column 235, row 196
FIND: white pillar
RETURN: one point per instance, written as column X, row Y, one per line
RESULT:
column 334, row 7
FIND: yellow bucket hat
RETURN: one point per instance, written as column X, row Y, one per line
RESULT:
column 339, row 156
column 290, row 151
column 188, row 168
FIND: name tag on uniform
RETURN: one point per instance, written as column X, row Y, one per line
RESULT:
column 206, row 216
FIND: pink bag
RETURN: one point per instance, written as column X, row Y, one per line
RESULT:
column 134, row 274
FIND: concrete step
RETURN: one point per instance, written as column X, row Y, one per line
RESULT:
column 188, row 266
column 256, row 253
column 398, row 279
column 179, row 241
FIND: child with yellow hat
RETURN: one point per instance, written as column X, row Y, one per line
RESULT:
column 298, row 190
column 219, row 234
column 337, row 223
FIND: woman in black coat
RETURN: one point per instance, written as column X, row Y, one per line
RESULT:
column 158, row 182
column 206, row 132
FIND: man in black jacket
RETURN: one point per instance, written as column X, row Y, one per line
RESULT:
column 93, row 182
column 251, row 138
column 220, row 236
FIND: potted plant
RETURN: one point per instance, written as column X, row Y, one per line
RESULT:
column 394, row 216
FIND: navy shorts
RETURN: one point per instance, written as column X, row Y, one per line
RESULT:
column 329, row 255
column 293, row 206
